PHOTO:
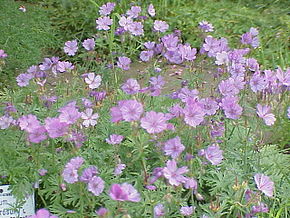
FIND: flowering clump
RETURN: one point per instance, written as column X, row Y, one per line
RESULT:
column 124, row 192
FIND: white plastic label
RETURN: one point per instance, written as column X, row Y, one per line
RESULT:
column 7, row 202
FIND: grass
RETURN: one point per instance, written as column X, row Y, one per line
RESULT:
column 26, row 38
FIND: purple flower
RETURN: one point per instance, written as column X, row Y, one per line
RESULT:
column 154, row 122
column 124, row 192
column 231, row 108
column 77, row 138
column 42, row 172
column 70, row 174
column 288, row 112
column 149, row 45
column 136, row 28
column 88, row 174
column 260, row 208
column 71, row 47
column 28, row 123
column 227, row 88
column 264, row 184
column 187, row 53
column 125, row 22
column 193, row 114
column 160, row 26
column 173, row 147
column 213, row 154
column 119, row 169
column 131, row 86
column 99, row 96
column 251, row 38
column 96, row 185
column 89, row 118
column 157, row 173
column 222, row 58
column 124, row 63
column 159, row 211
column 131, row 110
column 205, row 26
column 190, row 183
column 264, row 113
column 174, row 174
column 64, row 66
column 283, row 76
column 94, row 81
column 156, row 84
column 55, row 128
column 37, row 134
column 104, row 23
column 115, row 139
column 43, row 213
column 209, row 105
column 2, row 54
column 186, row 211
column 134, row 11
column 23, row 79
column 146, row 55
column 107, row 8
column 258, row 82
column 151, row 10
column 5, row 121
column 89, row 44
column 102, row 211
column 87, row 102
column 69, row 114
column 217, row 130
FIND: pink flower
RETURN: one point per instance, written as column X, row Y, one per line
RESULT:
column 151, row 10
column 71, row 47
column 186, row 211
column 193, row 114
column 173, row 147
column 115, row 139
column 104, row 23
column 213, row 154
column 55, row 127
column 89, row 118
column 264, row 184
column 96, row 185
column 131, row 110
column 124, row 63
column 160, row 26
column 174, row 174
column 94, row 81
column 154, row 122
column 43, row 213
column 124, row 192
column 264, row 113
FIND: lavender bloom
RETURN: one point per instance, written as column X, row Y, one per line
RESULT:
column 227, row 87
column 264, row 184
column 71, row 47
column 23, row 79
column 260, row 208
column 136, row 29
column 114, row 139
column 149, row 45
column 187, row 53
column 42, row 172
column 124, row 63
column 251, row 38
column 55, row 128
column 231, row 108
column 96, row 185
column 70, row 174
column 104, row 23
column 258, row 82
column 5, row 121
column 151, row 10
column 87, row 102
column 186, row 211
column 154, row 122
column 213, row 154
column 64, row 66
column 217, row 130
column 94, row 81
column 157, row 173
column 69, row 115
column 89, row 44
column 134, row 11
column 174, row 174
column 89, row 118
column 222, row 58
column 264, row 113
column 146, row 55
column 88, row 174
column 160, row 26
column 107, row 8
column 283, row 76
column 28, row 123
column 124, row 192
column 209, row 105
column 190, row 183
column 159, row 211
column 205, row 26
column 99, row 96
column 125, row 22
column 102, row 211
column 176, row 110
column 185, row 94
column 131, row 110
column 2, row 54
column 156, row 84
column 37, row 134
column 193, row 114
column 43, row 213
column 119, row 169
column 77, row 138
column 131, row 87
column 173, row 147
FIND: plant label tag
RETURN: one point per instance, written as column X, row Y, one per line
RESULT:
column 8, row 205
